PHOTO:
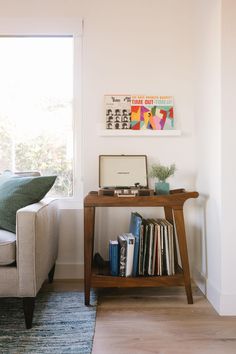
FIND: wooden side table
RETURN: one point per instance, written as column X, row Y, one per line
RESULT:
column 173, row 207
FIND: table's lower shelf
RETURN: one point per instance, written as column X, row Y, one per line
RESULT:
column 99, row 280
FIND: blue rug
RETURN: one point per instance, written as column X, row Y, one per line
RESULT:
column 61, row 324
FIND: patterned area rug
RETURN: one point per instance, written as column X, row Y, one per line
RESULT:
column 61, row 324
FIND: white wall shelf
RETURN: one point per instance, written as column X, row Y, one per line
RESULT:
column 139, row 133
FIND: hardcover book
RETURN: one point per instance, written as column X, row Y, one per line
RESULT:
column 154, row 247
column 157, row 247
column 170, row 229
column 135, row 229
column 123, row 250
column 141, row 249
column 160, row 249
column 146, row 249
column 150, row 247
column 166, row 253
column 130, row 240
column 114, row 257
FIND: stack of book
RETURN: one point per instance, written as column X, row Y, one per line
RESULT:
column 148, row 249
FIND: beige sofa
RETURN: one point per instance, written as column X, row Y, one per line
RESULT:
column 28, row 257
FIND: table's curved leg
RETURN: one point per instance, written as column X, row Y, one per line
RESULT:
column 180, row 229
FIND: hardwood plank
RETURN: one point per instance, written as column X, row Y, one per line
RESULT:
column 160, row 322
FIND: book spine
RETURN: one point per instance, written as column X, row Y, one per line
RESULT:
column 123, row 247
column 110, row 257
column 115, row 259
column 135, row 230
column 162, row 255
column 140, row 256
column 146, row 250
column 150, row 249
column 166, row 253
column 158, row 249
column 154, row 248
column 136, row 256
column 171, row 243
column 129, row 255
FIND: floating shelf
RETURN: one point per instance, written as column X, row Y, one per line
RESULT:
column 139, row 133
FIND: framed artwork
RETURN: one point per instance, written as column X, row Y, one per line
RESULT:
column 138, row 112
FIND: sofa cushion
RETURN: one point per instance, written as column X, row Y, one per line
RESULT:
column 18, row 192
column 7, row 247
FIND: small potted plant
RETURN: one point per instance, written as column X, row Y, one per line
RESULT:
column 162, row 173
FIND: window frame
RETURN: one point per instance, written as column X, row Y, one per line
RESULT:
column 60, row 27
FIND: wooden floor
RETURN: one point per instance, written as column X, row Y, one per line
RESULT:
column 139, row 321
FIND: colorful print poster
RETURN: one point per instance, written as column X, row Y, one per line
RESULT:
column 139, row 112
column 152, row 112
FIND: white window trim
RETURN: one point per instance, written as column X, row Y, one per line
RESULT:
column 60, row 26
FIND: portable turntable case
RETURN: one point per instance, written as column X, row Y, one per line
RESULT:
column 122, row 171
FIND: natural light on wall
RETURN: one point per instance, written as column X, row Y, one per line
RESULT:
column 36, row 118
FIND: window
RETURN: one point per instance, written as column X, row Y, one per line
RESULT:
column 36, row 107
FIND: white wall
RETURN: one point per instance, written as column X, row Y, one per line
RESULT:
column 228, row 296
column 208, row 146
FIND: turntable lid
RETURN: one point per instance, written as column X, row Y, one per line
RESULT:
column 122, row 171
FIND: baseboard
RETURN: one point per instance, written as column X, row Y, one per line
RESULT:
column 199, row 279
column 213, row 295
column 228, row 305
column 69, row 271
column 224, row 304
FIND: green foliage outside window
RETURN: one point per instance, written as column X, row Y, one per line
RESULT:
column 43, row 153
column 49, row 158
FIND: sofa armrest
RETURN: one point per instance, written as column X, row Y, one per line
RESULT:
column 36, row 244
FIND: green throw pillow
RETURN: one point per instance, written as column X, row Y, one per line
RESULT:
column 18, row 192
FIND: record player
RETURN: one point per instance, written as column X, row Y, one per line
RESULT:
column 123, row 176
